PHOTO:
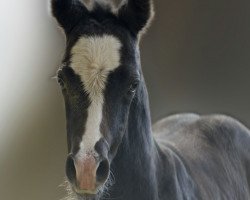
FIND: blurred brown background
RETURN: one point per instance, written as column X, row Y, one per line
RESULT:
column 196, row 58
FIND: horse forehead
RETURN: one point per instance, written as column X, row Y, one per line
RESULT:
column 95, row 53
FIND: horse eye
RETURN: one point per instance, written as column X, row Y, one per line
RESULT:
column 60, row 82
column 133, row 87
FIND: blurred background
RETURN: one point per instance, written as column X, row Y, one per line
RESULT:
column 196, row 58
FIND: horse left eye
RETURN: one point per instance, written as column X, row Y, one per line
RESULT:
column 133, row 87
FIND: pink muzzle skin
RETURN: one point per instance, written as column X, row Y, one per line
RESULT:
column 86, row 175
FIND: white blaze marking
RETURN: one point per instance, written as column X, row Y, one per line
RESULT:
column 93, row 58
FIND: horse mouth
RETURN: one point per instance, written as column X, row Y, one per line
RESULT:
column 85, row 192
column 87, row 197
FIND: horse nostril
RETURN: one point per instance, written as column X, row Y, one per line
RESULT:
column 70, row 169
column 84, row 174
column 102, row 171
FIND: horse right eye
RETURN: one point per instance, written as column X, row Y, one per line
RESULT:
column 60, row 82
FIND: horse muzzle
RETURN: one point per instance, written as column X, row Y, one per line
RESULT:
column 87, row 174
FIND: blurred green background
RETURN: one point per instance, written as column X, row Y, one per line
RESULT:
column 196, row 58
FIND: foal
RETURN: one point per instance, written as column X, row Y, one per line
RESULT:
column 112, row 151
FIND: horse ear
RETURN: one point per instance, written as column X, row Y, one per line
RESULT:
column 137, row 14
column 68, row 13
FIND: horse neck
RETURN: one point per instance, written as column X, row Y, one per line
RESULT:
column 134, row 164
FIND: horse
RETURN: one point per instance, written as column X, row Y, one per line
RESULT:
column 113, row 150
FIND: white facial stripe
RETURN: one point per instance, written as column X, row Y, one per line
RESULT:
column 93, row 58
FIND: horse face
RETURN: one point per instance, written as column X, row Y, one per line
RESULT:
column 98, row 85
column 99, row 79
